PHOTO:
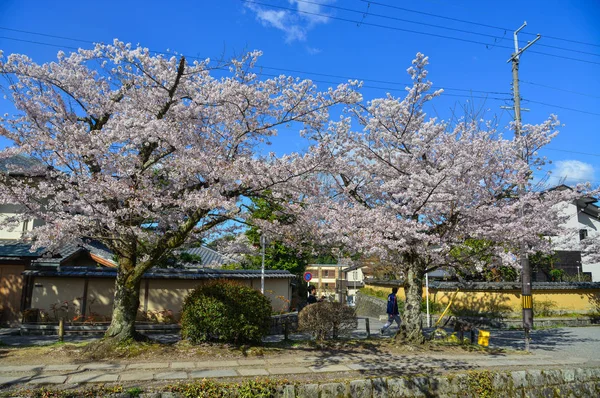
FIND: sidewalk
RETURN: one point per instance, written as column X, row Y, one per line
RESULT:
column 352, row 365
column 550, row 348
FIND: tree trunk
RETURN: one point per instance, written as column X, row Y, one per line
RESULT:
column 125, row 306
column 411, row 330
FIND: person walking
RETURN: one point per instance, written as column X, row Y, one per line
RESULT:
column 392, row 310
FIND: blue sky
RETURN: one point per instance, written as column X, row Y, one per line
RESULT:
column 368, row 41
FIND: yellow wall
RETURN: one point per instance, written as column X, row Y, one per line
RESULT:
column 510, row 301
column 55, row 291
column 388, row 289
column 577, row 301
column 168, row 294
column 279, row 292
column 163, row 294
column 100, row 297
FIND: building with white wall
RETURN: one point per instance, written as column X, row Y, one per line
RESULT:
column 576, row 248
column 581, row 228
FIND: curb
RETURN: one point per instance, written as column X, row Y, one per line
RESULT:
column 536, row 383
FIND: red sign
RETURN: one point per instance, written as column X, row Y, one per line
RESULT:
column 307, row 276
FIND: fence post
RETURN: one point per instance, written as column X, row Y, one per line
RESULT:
column 368, row 327
column 285, row 329
column 61, row 330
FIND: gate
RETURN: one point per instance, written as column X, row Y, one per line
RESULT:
column 11, row 287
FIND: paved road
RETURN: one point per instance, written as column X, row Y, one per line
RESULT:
column 580, row 342
column 583, row 342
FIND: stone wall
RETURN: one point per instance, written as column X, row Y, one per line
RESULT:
column 370, row 306
column 578, row 382
column 582, row 382
column 280, row 322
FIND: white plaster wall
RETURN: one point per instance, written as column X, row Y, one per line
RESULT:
column 355, row 275
column 592, row 225
column 569, row 240
column 14, row 231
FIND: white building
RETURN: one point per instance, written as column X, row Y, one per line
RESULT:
column 582, row 226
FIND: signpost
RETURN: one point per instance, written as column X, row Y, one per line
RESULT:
column 307, row 277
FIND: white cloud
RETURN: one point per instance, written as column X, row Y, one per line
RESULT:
column 313, row 50
column 295, row 25
column 308, row 11
column 571, row 172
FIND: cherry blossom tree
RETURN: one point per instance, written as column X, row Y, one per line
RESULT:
column 410, row 189
column 144, row 152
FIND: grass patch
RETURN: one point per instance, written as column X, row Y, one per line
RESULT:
column 374, row 293
column 245, row 389
column 557, row 325
column 43, row 392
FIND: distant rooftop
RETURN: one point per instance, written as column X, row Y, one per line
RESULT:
column 19, row 249
column 161, row 273
column 21, row 165
column 210, row 258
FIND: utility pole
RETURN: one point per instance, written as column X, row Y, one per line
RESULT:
column 526, row 299
column 262, row 267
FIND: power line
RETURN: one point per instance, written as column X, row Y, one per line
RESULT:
column 560, row 89
column 437, row 26
column 44, row 34
column 316, row 73
column 378, row 81
column 475, row 23
column 266, row 67
column 411, row 31
column 576, row 152
column 562, row 107
column 399, row 89
column 566, row 178
column 39, row 42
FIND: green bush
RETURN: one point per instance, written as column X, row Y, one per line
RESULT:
column 325, row 318
column 259, row 388
column 557, row 275
column 225, row 311
column 374, row 293
column 544, row 307
column 434, row 307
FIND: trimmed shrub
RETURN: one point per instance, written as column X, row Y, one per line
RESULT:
column 544, row 307
column 225, row 311
column 326, row 318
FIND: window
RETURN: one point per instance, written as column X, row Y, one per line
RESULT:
column 327, row 286
column 583, row 233
column 325, row 273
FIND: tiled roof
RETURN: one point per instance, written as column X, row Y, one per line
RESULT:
column 63, row 253
column 210, row 258
column 100, row 250
column 355, row 267
column 17, row 249
column 160, row 273
column 326, row 265
column 10, row 249
column 487, row 286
